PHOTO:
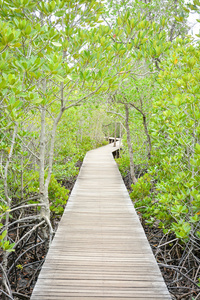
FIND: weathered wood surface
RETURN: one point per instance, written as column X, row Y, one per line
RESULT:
column 100, row 250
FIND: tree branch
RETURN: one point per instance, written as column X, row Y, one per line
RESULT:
column 116, row 113
column 177, row 270
column 28, row 148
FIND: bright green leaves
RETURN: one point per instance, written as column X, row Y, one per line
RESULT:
column 11, row 79
column 119, row 49
column 141, row 189
column 28, row 30
column 157, row 51
column 8, row 37
column 140, row 33
column 181, row 229
column 140, row 37
column 175, row 131
column 197, row 148
column 47, row 8
column 58, row 196
column 119, row 21
column 163, row 21
column 195, row 218
column 51, row 6
column 57, row 44
column 18, row 6
column 191, row 62
column 179, row 19
column 5, row 245
column 85, row 76
column 179, row 209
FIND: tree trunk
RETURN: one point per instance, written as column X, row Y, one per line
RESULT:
column 120, row 136
column 45, row 210
column 147, row 135
column 42, row 158
column 144, row 119
column 115, row 134
column 44, row 184
column 8, row 202
column 130, row 149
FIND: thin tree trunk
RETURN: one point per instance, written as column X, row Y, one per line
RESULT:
column 120, row 137
column 51, row 151
column 8, row 202
column 45, row 210
column 44, row 184
column 174, row 23
column 22, row 178
column 42, row 155
column 144, row 119
column 130, row 149
column 147, row 135
column 115, row 134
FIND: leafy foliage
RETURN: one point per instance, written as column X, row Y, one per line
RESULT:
column 5, row 245
column 58, row 196
column 174, row 172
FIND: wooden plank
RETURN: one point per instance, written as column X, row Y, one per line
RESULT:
column 100, row 250
column 50, row 296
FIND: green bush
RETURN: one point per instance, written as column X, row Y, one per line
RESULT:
column 123, row 163
column 58, row 196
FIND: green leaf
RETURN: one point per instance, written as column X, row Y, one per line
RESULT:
column 28, row 29
column 17, row 45
column 39, row 100
column 3, row 234
column 119, row 21
column 195, row 218
column 60, row 13
column 57, row 44
column 59, row 78
column 197, row 147
column 10, row 37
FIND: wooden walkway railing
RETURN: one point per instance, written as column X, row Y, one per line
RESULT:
column 100, row 250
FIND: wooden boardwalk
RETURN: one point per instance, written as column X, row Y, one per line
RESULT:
column 100, row 250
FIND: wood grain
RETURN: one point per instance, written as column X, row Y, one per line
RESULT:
column 100, row 250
